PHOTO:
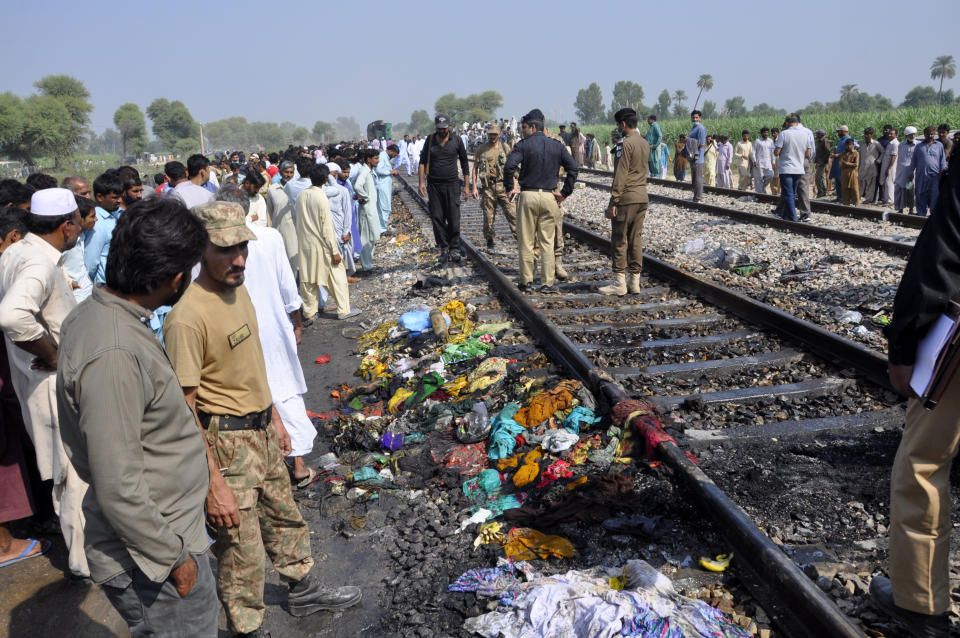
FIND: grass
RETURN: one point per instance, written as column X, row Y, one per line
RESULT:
column 898, row 118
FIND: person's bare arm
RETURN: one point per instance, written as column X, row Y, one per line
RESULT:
column 222, row 508
column 282, row 437
column 44, row 351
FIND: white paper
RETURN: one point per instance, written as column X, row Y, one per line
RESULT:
column 927, row 353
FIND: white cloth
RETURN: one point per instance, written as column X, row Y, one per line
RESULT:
column 763, row 154
column 273, row 291
column 76, row 269
column 258, row 209
column 191, row 195
column 904, row 160
column 293, row 413
column 35, row 298
column 889, row 161
column 793, row 145
column 280, row 212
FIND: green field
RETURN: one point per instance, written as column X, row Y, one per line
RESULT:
column 898, row 118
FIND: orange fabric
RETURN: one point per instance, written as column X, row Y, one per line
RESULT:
column 523, row 543
column 526, row 474
column 546, row 404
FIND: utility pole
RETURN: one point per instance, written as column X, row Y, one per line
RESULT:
column 202, row 149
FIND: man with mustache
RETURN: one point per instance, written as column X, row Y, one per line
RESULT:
column 212, row 339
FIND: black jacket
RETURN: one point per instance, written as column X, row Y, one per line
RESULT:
column 540, row 159
column 932, row 275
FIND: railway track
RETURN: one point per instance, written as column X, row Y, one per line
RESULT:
column 816, row 205
column 726, row 371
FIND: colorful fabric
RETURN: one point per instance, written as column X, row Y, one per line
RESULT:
column 469, row 460
column 555, row 471
column 579, row 417
column 502, row 432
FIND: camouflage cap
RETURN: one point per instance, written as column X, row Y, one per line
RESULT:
column 225, row 223
column 493, row 128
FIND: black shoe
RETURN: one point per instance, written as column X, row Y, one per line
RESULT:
column 456, row 256
column 259, row 632
column 525, row 287
column 442, row 259
column 805, row 217
column 308, row 596
column 489, row 244
column 918, row 625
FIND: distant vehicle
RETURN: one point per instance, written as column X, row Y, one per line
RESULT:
column 378, row 129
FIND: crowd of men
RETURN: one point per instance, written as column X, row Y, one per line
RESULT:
column 154, row 390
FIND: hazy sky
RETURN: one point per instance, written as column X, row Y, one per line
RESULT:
column 305, row 61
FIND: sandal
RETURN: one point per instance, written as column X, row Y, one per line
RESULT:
column 312, row 477
column 25, row 554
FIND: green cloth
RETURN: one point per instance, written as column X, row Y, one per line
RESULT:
column 469, row 349
column 653, row 137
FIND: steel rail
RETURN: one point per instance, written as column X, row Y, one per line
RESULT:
column 796, row 605
column 816, row 205
column 901, row 249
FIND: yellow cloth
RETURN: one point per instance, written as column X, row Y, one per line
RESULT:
column 213, row 342
column 525, row 475
column 486, row 374
column 546, row 404
column 401, row 395
column 523, row 543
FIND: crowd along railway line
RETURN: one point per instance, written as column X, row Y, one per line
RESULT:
column 816, row 205
column 722, row 367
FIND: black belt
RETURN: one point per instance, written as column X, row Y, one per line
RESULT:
column 231, row 422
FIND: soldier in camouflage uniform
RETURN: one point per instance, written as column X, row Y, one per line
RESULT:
column 212, row 340
column 488, row 176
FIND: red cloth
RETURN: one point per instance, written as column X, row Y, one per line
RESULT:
column 15, row 498
column 556, row 470
column 469, row 460
column 646, row 421
column 272, row 170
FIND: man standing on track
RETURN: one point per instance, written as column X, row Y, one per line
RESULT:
column 929, row 165
column 821, row 162
column 743, row 152
column 653, row 137
column 888, row 167
column 628, row 206
column 902, row 192
column 871, row 155
column 792, row 150
column 696, row 141
column 918, row 591
column 439, row 178
column 539, row 159
column 488, row 163
column 762, row 161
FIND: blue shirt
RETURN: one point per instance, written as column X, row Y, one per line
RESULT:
column 928, row 161
column 699, row 133
column 96, row 244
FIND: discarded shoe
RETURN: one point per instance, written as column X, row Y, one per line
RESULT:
column 918, row 625
column 308, row 596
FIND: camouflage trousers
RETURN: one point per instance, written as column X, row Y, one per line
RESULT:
column 269, row 520
column 490, row 198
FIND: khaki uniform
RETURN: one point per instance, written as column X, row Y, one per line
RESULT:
column 558, row 221
column 213, row 342
column 629, row 194
column 489, row 159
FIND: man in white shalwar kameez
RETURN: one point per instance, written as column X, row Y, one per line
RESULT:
column 280, row 211
column 367, row 197
column 35, row 298
column 341, row 209
column 321, row 263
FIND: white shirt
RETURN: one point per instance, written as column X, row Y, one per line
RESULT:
column 273, row 290
column 190, row 194
column 793, row 145
column 763, row 154
column 76, row 269
column 258, row 207
column 35, row 298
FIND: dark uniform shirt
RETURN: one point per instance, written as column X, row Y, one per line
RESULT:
column 440, row 160
column 931, row 277
column 540, row 159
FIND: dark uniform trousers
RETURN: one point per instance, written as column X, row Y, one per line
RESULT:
column 443, row 203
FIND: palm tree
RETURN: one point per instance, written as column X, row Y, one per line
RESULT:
column 705, row 83
column 942, row 67
column 680, row 96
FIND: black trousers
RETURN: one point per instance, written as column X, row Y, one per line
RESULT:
column 443, row 202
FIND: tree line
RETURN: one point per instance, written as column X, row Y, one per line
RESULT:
column 590, row 108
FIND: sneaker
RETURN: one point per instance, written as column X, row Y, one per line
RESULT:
column 308, row 596
column 916, row 624
column 350, row 315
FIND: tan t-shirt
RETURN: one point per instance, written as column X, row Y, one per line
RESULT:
column 214, row 344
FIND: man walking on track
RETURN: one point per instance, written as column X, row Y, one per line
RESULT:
column 438, row 166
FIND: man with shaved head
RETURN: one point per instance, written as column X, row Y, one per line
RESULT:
column 77, row 185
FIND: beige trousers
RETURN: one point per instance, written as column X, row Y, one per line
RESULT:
column 920, row 505
column 537, row 213
column 336, row 285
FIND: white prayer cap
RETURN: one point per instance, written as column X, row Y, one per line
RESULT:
column 53, row 202
column 910, row 130
column 334, row 167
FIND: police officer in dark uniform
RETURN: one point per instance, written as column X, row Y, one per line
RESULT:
column 438, row 164
column 539, row 159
